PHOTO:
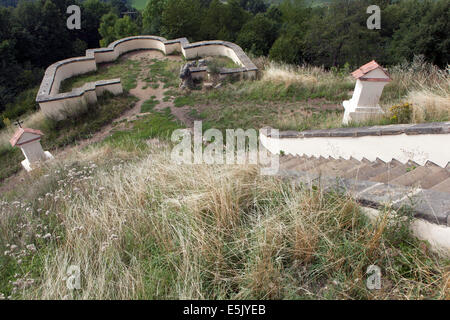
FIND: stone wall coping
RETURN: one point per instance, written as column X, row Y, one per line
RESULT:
column 77, row 92
column 50, row 73
column 381, row 130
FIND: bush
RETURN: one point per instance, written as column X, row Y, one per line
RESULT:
column 401, row 113
column 24, row 103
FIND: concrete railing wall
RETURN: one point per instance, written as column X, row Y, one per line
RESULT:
column 54, row 103
column 411, row 142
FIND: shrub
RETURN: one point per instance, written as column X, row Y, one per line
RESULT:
column 401, row 113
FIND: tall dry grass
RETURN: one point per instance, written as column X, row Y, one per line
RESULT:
column 423, row 85
column 151, row 229
column 289, row 74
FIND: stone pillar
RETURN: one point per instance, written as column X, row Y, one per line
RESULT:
column 29, row 141
column 370, row 81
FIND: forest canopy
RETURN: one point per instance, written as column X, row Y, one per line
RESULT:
column 33, row 34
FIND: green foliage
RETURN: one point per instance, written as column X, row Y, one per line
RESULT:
column 181, row 18
column 258, row 35
column 126, row 70
column 165, row 71
column 83, row 125
column 58, row 134
column 401, row 113
column 155, row 125
column 152, row 15
column 149, row 104
column 23, row 103
column 112, row 28
column 184, row 101
column 33, row 35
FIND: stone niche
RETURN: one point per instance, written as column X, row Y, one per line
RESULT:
column 28, row 140
column 370, row 81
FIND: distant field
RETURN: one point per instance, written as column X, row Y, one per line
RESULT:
column 139, row 4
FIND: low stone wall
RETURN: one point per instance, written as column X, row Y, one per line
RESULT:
column 54, row 103
column 416, row 142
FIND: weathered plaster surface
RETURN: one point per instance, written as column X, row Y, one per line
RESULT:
column 53, row 103
column 419, row 143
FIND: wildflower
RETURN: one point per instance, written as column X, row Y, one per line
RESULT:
column 31, row 247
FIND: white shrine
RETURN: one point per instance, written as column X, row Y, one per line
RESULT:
column 370, row 81
column 28, row 140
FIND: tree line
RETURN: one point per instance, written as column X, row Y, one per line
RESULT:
column 34, row 35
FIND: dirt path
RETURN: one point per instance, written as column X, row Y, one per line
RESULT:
column 142, row 91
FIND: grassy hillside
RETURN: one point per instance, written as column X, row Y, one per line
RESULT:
column 142, row 227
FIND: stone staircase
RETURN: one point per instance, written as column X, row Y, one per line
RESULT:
column 429, row 176
column 405, row 167
column 425, row 189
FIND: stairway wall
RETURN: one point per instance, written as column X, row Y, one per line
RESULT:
column 418, row 143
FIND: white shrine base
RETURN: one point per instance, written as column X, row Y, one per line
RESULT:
column 29, row 166
column 354, row 113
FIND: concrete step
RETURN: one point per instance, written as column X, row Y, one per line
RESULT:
column 435, row 178
column 395, row 169
column 417, row 176
column 367, row 171
column 294, row 161
column 335, row 167
column 393, row 172
column 309, row 164
column 444, row 186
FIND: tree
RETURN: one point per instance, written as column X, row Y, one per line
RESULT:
column 125, row 27
column 258, row 35
column 254, row 6
column 287, row 48
column 424, row 29
column 92, row 11
column 152, row 15
column 182, row 18
column 112, row 28
column 107, row 30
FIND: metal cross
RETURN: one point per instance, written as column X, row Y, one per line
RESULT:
column 18, row 123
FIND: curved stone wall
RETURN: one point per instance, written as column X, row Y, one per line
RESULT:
column 53, row 103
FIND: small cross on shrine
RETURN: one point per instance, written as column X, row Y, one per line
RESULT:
column 18, row 123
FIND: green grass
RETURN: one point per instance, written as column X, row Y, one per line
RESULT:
column 184, row 101
column 127, row 70
column 139, row 4
column 164, row 71
column 10, row 159
column 59, row 134
column 24, row 103
column 219, row 62
column 158, row 124
column 83, row 126
column 268, row 238
column 149, row 104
